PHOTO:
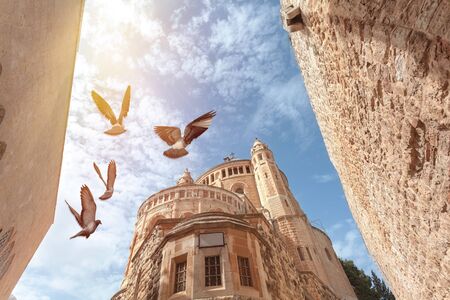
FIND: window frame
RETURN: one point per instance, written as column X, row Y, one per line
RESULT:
column 245, row 273
column 180, row 285
column 213, row 265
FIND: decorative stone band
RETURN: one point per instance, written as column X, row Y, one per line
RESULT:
column 160, row 200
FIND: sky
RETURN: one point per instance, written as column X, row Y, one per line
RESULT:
column 182, row 59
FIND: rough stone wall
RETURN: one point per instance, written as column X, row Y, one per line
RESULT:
column 278, row 263
column 142, row 279
column 377, row 73
column 38, row 44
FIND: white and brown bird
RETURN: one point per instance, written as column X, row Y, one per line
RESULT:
column 172, row 135
column 109, row 184
column 105, row 109
column 86, row 219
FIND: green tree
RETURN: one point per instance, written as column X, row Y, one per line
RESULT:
column 381, row 289
column 366, row 287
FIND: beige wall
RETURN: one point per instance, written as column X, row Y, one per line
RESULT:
column 331, row 265
column 37, row 55
column 237, row 243
column 377, row 73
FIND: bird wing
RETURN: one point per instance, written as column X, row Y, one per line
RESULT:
column 76, row 215
column 111, row 174
column 99, row 173
column 104, row 107
column 88, row 206
column 168, row 134
column 194, row 129
column 125, row 104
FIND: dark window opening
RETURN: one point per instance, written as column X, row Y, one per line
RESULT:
column 244, row 271
column 247, row 169
column 239, row 190
column 180, row 277
column 230, row 172
column 212, row 271
column 224, row 174
column 309, row 253
column 241, row 170
column 300, row 253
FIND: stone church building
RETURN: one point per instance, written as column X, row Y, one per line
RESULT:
column 237, row 232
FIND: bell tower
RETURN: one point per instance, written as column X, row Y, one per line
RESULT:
column 285, row 212
column 272, row 184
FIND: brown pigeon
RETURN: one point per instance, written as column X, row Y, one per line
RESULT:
column 86, row 220
column 172, row 135
column 111, row 179
column 105, row 109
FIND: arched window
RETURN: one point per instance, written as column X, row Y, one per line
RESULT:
column 238, row 188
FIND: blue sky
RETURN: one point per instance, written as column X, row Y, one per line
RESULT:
column 182, row 58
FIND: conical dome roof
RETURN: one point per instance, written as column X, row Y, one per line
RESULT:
column 258, row 145
column 186, row 178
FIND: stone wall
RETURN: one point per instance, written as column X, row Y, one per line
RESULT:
column 377, row 73
column 278, row 263
column 141, row 280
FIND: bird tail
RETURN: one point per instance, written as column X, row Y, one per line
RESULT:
column 81, row 233
column 105, row 196
column 175, row 153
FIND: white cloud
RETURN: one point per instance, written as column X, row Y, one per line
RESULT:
column 324, row 178
column 348, row 244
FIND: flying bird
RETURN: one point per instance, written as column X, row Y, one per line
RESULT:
column 110, row 181
column 105, row 109
column 172, row 135
column 86, row 220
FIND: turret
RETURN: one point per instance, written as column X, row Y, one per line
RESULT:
column 287, row 216
column 272, row 185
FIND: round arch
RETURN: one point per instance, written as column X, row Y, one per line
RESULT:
column 239, row 188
